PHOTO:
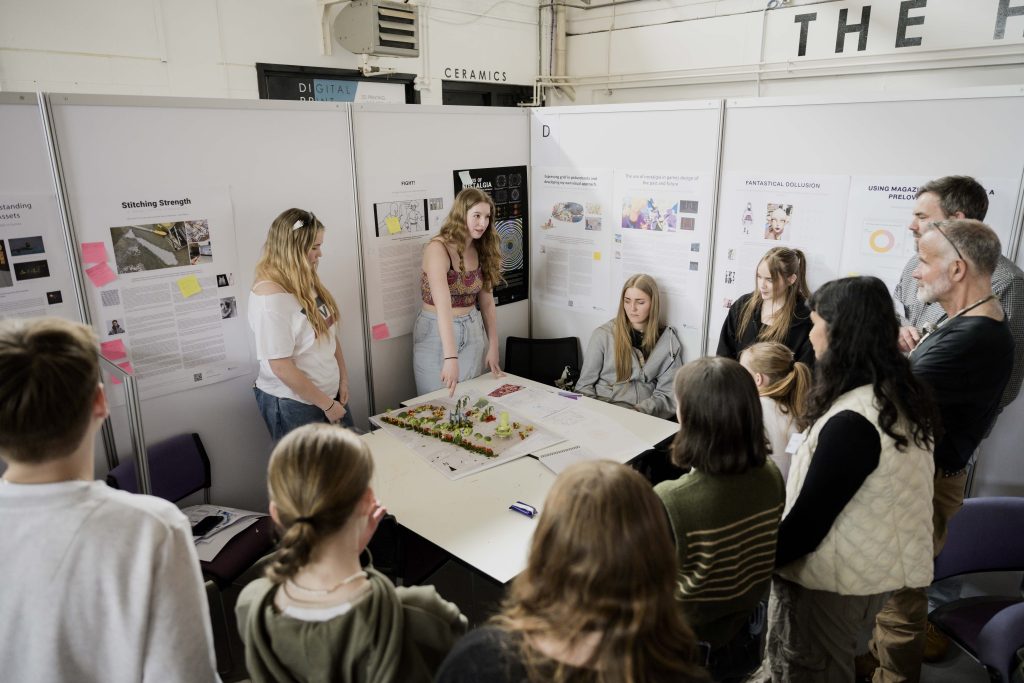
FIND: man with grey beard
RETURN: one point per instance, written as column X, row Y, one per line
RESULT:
column 966, row 359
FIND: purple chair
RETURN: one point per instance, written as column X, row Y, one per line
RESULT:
column 987, row 535
column 178, row 467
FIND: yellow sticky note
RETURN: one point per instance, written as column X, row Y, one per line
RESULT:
column 597, row 256
column 393, row 225
column 189, row 286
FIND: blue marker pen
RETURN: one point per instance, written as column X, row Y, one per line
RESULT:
column 523, row 508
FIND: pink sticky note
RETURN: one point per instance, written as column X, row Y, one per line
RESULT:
column 126, row 366
column 101, row 274
column 113, row 349
column 380, row 331
column 94, row 252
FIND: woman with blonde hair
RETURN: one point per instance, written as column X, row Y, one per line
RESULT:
column 783, row 383
column 632, row 358
column 318, row 614
column 596, row 601
column 775, row 311
column 452, row 340
column 302, row 376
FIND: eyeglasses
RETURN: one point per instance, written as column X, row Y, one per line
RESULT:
column 301, row 223
column 938, row 226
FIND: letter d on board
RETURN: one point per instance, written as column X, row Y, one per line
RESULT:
column 545, row 130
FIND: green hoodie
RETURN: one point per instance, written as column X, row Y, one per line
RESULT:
column 390, row 635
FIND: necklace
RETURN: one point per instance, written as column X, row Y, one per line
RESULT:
column 320, row 592
column 965, row 309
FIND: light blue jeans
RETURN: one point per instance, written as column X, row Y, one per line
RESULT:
column 428, row 352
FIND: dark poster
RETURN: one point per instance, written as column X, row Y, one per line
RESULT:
column 507, row 187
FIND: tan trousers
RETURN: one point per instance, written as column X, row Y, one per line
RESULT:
column 899, row 635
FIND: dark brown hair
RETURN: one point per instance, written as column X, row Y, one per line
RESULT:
column 316, row 476
column 862, row 333
column 49, row 376
column 601, row 561
column 958, row 193
column 721, row 427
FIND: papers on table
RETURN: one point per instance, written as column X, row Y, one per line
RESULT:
column 576, row 423
column 212, row 542
column 558, row 459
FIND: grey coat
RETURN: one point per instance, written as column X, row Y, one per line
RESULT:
column 649, row 387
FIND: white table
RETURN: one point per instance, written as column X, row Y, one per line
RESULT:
column 469, row 517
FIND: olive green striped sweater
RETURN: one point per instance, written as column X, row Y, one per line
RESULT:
column 725, row 529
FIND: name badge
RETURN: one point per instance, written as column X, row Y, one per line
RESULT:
column 795, row 440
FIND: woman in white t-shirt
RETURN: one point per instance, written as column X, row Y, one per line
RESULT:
column 782, row 382
column 302, row 377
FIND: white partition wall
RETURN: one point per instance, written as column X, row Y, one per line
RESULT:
column 618, row 190
column 36, row 276
column 405, row 159
column 133, row 168
column 846, row 171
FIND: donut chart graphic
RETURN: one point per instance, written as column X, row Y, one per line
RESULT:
column 510, row 243
column 881, row 241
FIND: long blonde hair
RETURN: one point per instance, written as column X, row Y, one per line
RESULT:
column 652, row 328
column 782, row 263
column 455, row 232
column 317, row 475
column 577, row 583
column 789, row 380
column 284, row 261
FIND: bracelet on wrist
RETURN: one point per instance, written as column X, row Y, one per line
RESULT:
column 451, row 357
column 328, row 408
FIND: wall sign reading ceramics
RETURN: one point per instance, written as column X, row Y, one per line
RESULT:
column 475, row 74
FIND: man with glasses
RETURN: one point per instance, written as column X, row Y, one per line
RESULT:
column 944, row 199
column 966, row 359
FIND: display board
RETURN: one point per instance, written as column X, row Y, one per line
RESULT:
column 837, row 178
column 171, row 200
column 405, row 156
column 846, row 172
column 36, row 277
column 619, row 190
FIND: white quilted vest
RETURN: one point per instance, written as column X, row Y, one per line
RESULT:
column 882, row 539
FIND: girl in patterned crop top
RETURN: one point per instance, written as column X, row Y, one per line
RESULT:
column 461, row 266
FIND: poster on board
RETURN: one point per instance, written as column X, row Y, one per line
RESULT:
column 574, row 220
column 508, row 187
column 878, row 240
column 759, row 211
column 664, row 230
column 407, row 210
column 161, row 286
column 35, row 278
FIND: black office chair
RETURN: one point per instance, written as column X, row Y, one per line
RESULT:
column 544, row 360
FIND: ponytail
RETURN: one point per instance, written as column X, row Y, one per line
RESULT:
column 317, row 475
column 293, row 552
column 788, row 379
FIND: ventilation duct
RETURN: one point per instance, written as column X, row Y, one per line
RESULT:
column 379, row 28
